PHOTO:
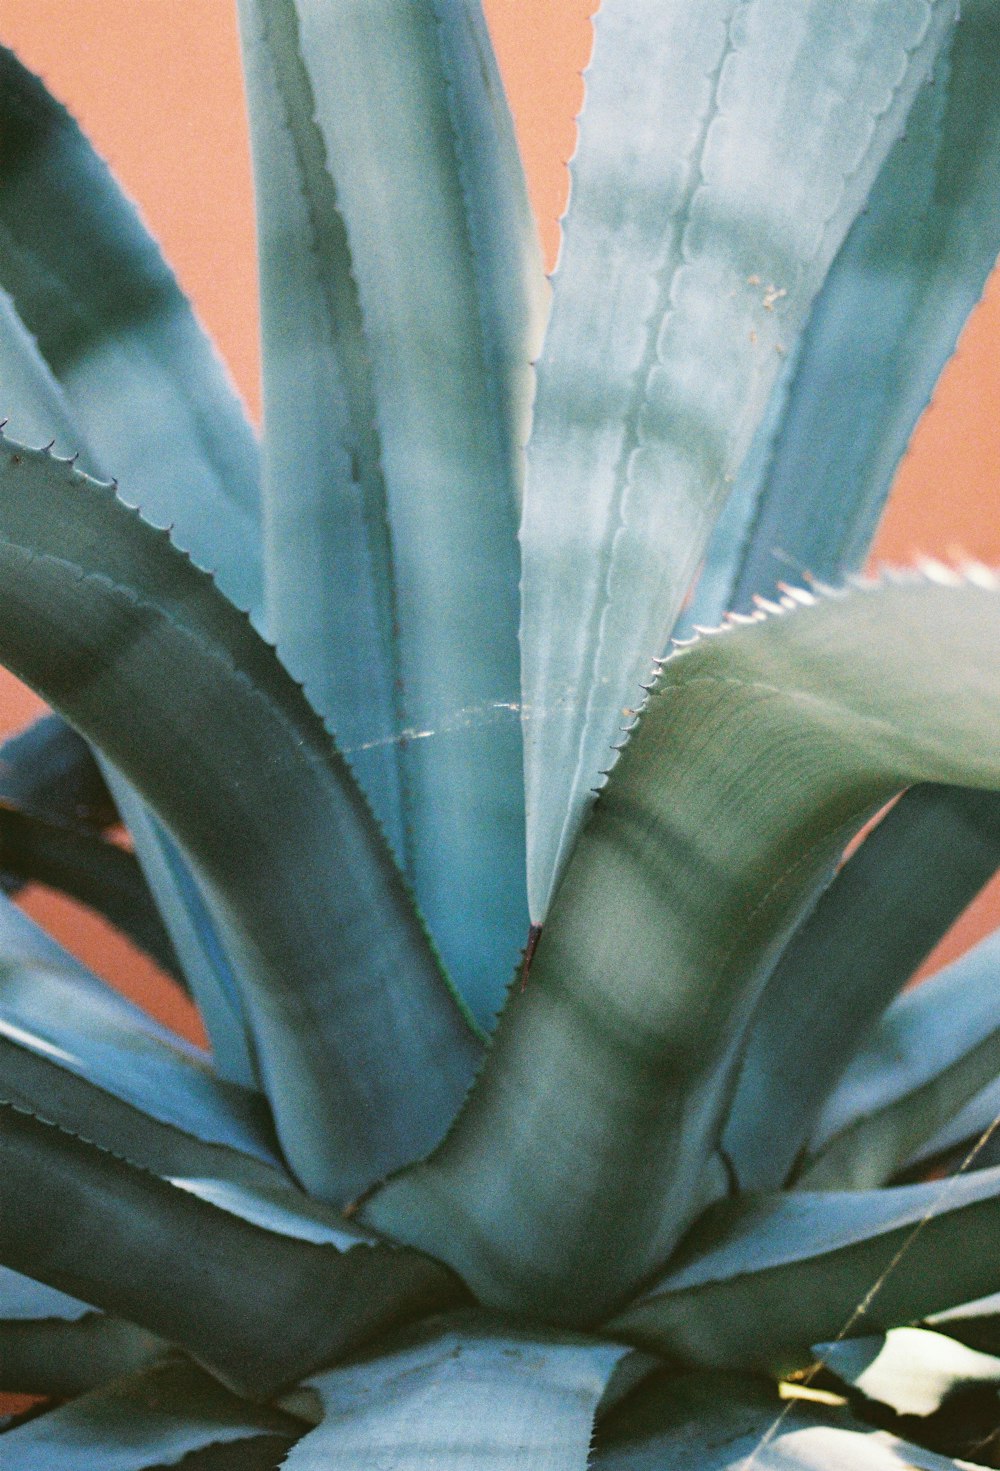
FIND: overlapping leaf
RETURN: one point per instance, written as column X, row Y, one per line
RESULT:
column 257, row 1304
column 758, row 752
column 152, row 1419
column 764, row 1279
column 880, row 917
column 143, row 655
column 934, row 1049
column 724, row 152
column 401, row 296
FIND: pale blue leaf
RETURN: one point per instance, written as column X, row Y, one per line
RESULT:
column 401, row 293
column 461, row 1398
column 724, row 151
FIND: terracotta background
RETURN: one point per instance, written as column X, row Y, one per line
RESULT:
column 157, row 85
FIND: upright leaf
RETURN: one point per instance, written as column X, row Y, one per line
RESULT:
column 725, row 149
column 582, row 1151
column 401, row 291
column 350, row 1014
column 883, row 327
column 880, row 917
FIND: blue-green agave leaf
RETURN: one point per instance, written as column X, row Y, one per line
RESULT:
column 151, row 1419
column 48, row 770
column 258, row 1306
column 196, row 934
column 883, row 327
column 724, row 152
column 53, row 1022
column 912, row 1370
column 401, row 292
column 52, row 1344
column 932, row 1051
column 53, row 1356
column 38, row 406
column 89, row 869
column 763, row 1278
column 880, row 917
column 351, row 1017
column 140, row 377
column 972, row 1130
column 583, row 1150
column 460, row 1397
column 728, row 1422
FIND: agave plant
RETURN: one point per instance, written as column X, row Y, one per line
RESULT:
column 564, row 1106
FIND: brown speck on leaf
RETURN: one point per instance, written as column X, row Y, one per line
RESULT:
column 753, row 280
column 534, row 934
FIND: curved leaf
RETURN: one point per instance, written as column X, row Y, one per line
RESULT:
column 140, row 377
column 88, row 869
column 350, row 1014
column 259, row 1307
column 763, row 1279
column 880, row 917
column 152, row 1419
column 911, row 1370
column 87, row 1058
column 703, row 1422
column 54, row 1357
column 49, row 771
column 40, row 408
column 931, row 1052
column 724, row 151
column 582, row 1151
column 457, row 1398
column 400, row 282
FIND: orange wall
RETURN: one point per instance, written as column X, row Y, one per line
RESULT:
column 157, row 84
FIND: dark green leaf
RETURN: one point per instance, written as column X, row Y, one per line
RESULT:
column 257, row 1306
column 141, row 379
column 763, row 1279
column 881, row 916
column 40, row 407
column 151, row 1419
column 582, row 1152
column 351, row 1016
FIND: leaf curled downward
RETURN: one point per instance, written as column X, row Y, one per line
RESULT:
column 581, row 1153
column 145, row 657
